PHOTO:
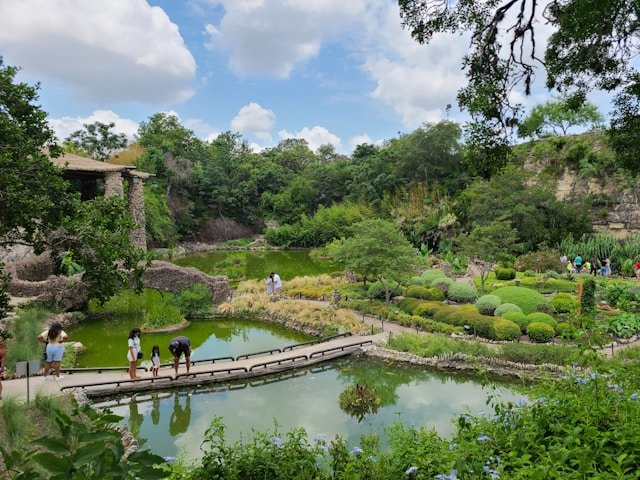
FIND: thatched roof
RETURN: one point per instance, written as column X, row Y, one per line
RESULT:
column 76, row 163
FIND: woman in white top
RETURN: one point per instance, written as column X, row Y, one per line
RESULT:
column 134, row 349
column 53, row 338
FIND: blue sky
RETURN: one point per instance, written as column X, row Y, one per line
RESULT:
column 329, row 71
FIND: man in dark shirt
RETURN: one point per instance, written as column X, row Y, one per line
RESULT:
column 177, row 347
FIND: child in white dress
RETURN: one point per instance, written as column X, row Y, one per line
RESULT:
column 155, row 360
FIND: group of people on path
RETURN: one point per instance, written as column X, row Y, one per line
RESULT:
column 178, row 347
column 592, row 266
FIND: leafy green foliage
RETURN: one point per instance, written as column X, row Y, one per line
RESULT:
column 624, row 325
column 162, row 315
column 431, row 275
column 377, row 250
column 518, row 318
column 527, row 299
column 97, row 140
column 5, row 280
column 359, row 401
column 543, row 318
column 539, row 354
column 487, row 304
column 556, row 117
column 23, row 345
column 379, row 290
column 587, row 296
column 195, row 301
column 160, row 228
column 437, row 345
column 85, row 444
column 540, row 332
column 503, row 329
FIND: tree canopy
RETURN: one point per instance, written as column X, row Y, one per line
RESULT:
column 97, row 140
column 556, row 117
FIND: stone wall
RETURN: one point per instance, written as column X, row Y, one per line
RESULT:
column 172, row 278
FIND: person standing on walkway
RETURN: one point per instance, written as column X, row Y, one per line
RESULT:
column 134, row 352
column 53, row 338
column 177, row 347
column 277, row 283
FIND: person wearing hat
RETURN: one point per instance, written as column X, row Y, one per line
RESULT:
column 177, row 347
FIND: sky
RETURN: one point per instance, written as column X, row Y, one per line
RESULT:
column 342, row 72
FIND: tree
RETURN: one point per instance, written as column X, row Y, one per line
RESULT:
column 591, row 48
column 97, row 140
column 484, row 244
column 38, row 208
column 556, row 117
column 377, row 250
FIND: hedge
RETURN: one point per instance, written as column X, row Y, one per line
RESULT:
column 482, row 325
column 417, row 281
column 442, row 284
column 503, row 329
column 527, row 299
column 378, row 290
column 538, row 354
column 487, row 304
column 540, row 332
column 430, row 275
column 505, row 273
column 424, row 293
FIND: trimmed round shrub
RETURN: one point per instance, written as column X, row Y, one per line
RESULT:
column 540, row 332
column 442, row 284
column 505, row 273
column 564, row 303
column 543, row 318
column 377, row 290
column 468, row 308
column 430, row 275
column 424, row 293
column 504, row 330
column 527, row 299
column 408, row 305
column 462, row 292
column 506, row 307
column 417, row 281
column 529, row 273
column 518, row 318
column 487, row 304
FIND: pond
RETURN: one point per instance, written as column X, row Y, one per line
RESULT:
column 105, row 339
column 256, row 265
column 175, row 422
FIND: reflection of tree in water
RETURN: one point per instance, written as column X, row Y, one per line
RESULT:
column 385, row 377
column 135, row 417
column 181, row 417
column 227, row 330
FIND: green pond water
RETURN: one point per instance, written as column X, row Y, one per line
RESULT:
column 257, row 265
column 105, row 339
column 174, row 422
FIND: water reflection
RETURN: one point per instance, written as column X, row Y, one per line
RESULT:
column 309, row 399
column 180, row 417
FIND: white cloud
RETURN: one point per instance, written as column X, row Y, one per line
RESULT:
column 201, row 128
column 65, row 126
column 273, row 37
column 107, row 50
column 315, row 137
column 255, row 120
column 359, row 140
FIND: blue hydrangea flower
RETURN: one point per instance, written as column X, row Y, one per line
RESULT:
column 410, row 470
column 542, row 400
column 277, row 441
column 491, row 472
column 356, row 450
column 319, row 437
column 634, row 396
column 483, row 438
column 453, row 475
column 453, row 446
column 521, row 403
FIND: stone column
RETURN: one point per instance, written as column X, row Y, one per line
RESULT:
column 136, row 209
column 113, row 184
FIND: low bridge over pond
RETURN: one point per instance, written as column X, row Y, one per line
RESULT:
column 110, row 381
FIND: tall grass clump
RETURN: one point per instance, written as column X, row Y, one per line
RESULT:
column 15, row 422
column 128, row 302
column 194, row 302
column 25, row 328
column 437, row 345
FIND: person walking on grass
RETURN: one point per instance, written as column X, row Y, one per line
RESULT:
column 53, row 338
column 178, row 346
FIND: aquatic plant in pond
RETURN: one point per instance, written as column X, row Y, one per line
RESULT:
column 359, row 401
